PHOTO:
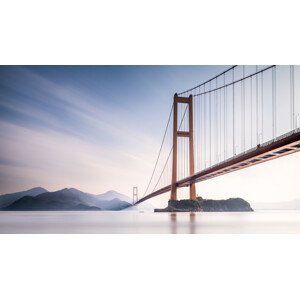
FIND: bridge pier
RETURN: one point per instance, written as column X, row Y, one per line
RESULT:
column 184, row 134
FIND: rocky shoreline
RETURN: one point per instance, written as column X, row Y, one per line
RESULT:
column 207, row 205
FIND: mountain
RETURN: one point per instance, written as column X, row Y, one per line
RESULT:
column 114, row 204
column 62, row 200
column 114, row 201
column 68, row 199
column 285, row 205
column 111, row 200
column 109, row 195
column 7, row 199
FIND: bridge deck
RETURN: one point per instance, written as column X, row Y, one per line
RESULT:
column 281, row 146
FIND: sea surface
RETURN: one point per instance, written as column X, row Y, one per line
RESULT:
column 125, row 222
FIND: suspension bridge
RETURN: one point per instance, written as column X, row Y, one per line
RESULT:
column 244, row 116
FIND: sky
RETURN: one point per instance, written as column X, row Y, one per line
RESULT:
column 99, row 128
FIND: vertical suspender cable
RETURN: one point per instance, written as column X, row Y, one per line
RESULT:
column 233, row 143
column 182, row 152
column 220, row 112
column 262, row 107
column 209, row 123
column 183, row 149
column 256, row 89
column 204, row 127
column 179, row 161
column 225, row 122
column 195, row 126
column 199, row 134
column 292, row 96
column 215, row 125
column 251, row 113
column 205, row 117
column 182, row 142
column 243, row 112
column 242, row 109
column 220, row 125
column 274, row 100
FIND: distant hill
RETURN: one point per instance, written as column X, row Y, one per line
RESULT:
column 66, row 200
column 113, row 201
column 7, row 199
column 62, row 200
column 113, row 205
column 109, row 195
column 285, row 205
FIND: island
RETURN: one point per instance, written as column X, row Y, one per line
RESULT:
column 207, row 205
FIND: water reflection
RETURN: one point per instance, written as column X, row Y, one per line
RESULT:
column 173, row 217
column 107, row 222
column 192, row 223
column 175, row 225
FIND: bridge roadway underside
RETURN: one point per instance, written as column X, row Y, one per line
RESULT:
column 281, row 146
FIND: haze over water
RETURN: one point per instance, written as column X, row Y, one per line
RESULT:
column 148, row 222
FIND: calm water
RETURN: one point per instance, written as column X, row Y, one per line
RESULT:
column 148, row 222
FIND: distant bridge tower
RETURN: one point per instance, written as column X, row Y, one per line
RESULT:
column 135, row 197
column 185, row 134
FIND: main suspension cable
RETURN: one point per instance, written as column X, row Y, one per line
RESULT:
column 160, row 149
